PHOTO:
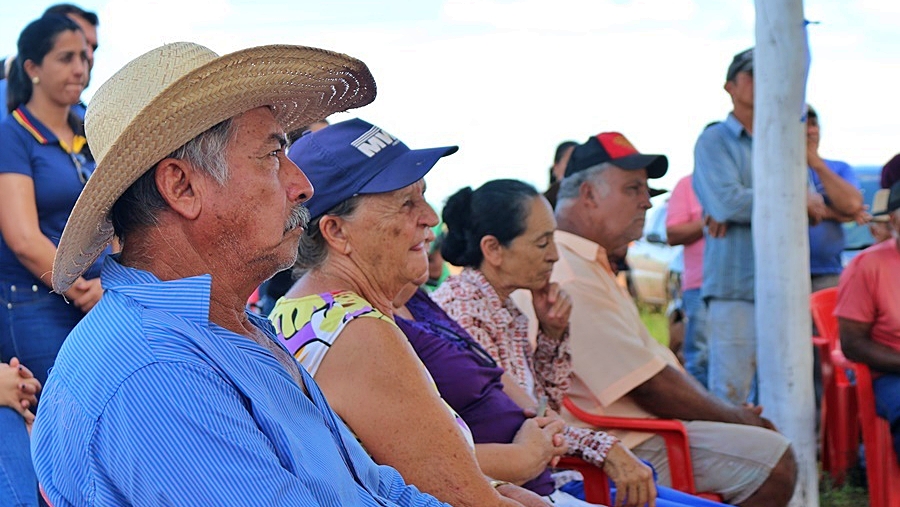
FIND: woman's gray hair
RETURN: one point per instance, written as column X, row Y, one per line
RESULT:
column 140, row 204
column 313, row 248
column 570, row 185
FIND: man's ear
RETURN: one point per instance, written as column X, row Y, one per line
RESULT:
column 181, row 186
column 492, row 250
column 587, row 193
column 335, row 234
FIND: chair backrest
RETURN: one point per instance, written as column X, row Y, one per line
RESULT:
column 821, row 306
column 882, row 469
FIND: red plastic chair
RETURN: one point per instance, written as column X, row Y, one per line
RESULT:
column 596, row 484
column 882, row 469
column 673, row 433
column 838, row 426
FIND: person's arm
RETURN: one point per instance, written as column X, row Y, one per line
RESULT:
column 21, row 231
column 376, row 384
column 686, row 233
column 682, row 227
column 717, row 180
column 192, row 439
column 857, row 345
column 672, row 394
column 843, row 197
column 532, row 450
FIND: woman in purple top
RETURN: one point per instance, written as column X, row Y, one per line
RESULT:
column 468, row 379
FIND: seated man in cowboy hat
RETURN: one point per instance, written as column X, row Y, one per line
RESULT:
column 169, row 392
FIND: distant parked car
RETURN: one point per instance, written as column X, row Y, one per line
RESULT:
column 857, row 236
column 654, row 276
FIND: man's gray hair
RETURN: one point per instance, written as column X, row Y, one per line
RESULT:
column 140, row 204
column 570, row 185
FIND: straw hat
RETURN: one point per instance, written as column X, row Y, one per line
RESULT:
column 166, row 97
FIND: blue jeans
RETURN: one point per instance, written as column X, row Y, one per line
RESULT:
column 731, row 325
column 665, row 497
column 18, row 484
column 34, row 322
column 887, row 404
column 695, row 348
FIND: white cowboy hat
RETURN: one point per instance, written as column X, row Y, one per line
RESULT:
column 166, row 97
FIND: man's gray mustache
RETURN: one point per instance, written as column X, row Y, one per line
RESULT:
column 299, row 218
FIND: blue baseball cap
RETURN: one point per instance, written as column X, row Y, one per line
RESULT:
column 355, row 157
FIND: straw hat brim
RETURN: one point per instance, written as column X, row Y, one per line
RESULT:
column 300, row 84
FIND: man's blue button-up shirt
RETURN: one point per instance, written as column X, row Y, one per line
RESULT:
column 723, row 182
column 149, row 403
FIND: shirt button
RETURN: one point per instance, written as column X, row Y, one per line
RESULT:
column 12, row 288
column 34, row 288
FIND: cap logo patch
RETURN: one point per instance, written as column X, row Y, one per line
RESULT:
column 373, row 141
column 616, row 145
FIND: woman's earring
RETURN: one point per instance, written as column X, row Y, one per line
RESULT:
column 35, row 80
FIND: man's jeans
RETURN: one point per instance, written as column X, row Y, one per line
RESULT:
column 732, row 349
column 696, row 350
column 18, row 484
column 887, row 404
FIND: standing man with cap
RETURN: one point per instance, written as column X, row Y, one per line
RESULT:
column 169, row 392
column 723, row 182
column 868, row 312
column 618, row 368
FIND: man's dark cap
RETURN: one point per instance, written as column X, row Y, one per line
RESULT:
column 742, row 62
column 612, row 147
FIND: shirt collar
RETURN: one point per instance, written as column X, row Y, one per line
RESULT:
column 151, row 292
column 42, row 134
column 477, row 279
column 583, row 247
column 734, row 126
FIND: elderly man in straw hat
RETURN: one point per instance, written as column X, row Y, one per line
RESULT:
column 169, row 393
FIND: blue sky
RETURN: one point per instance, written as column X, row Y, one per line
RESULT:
column 507, row 80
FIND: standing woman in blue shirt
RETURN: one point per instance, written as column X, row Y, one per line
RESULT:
column 44, row 164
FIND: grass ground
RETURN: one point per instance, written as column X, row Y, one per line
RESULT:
column 656, row 323
column 850, row 494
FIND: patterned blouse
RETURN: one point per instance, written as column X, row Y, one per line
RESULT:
column 502, row 330
column 308, row 326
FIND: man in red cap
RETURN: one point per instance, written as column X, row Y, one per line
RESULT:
column 618, row 368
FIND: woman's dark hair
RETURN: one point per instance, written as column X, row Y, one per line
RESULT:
column 498, row 208
column 35, row 41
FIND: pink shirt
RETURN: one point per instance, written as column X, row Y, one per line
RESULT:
column 869, row 291
column 683, row 208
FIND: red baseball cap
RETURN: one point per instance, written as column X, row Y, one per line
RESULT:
column 612, row 147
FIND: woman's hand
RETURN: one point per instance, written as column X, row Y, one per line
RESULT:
column 552, row 306
column 18, row 388
column 537, row 438
column 85, row 293
column 633, row 479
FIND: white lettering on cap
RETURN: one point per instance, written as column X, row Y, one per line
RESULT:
column 373, row 141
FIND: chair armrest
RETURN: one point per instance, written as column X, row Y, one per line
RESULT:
column 596, row 483
column 672, row 431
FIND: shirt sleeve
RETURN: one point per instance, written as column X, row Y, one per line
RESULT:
column 679, row 211
column 203, row 447
column 609, row 353
column 588, row 444
column 855, row 301
column 717, row 179
column 552, row 366
column 14, row 150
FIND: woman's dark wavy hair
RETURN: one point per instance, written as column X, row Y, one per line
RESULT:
column 35, row 41
column 498, row 208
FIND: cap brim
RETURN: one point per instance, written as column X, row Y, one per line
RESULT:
column 657, row 191
column 656, row 165
column 405, row 170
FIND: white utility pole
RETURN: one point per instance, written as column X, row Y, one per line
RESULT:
column 780, row 234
